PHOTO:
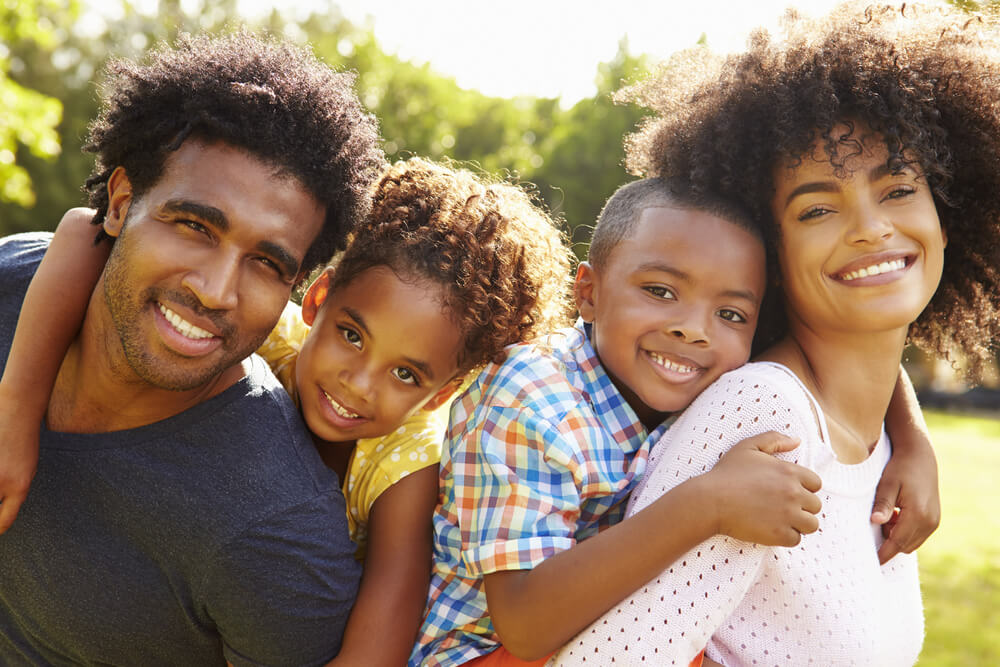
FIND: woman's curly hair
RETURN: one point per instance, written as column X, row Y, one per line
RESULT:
column 927, row 79
column 277, row 101
column 504, row 264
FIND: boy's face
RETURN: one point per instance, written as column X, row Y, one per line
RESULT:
column 379, row 349
column 674, row 307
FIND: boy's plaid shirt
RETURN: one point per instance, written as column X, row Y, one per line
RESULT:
column 542, row 451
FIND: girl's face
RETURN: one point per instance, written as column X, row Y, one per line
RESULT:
column 379, row 349
column 859, row 253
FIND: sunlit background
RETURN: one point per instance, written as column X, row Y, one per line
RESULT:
column 516, row 88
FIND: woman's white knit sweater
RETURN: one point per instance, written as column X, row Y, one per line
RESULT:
column 824, row 602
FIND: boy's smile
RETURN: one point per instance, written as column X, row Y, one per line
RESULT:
column 674, row 307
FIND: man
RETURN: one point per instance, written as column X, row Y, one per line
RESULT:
column 180, row 514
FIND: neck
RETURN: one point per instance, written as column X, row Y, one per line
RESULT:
column 96, row 391
column 851, row 375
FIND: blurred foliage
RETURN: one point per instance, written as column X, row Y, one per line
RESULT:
column 571, row 157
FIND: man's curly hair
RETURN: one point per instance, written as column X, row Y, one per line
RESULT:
column 927, row 79
column 275, row 100
column 503, row 263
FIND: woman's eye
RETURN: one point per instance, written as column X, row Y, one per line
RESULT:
column 813, row 213
column 351, row 336
column 900, row 192
column 406, row 375
column 660, row 292
column 732, row 316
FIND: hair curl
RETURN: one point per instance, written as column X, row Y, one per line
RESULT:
column 501, row 259
column 924, row 78
column 272, row 99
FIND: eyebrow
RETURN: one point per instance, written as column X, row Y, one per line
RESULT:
column 875, row 173
column 686, row 277
column 421, row 366
column 216, row 218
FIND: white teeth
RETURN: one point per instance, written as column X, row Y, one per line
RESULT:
column 875, row 269
column 340, row 409
column 186, row 329
column 671, row 366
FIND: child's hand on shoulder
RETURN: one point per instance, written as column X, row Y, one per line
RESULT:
column 762, row 499
column 18, row 458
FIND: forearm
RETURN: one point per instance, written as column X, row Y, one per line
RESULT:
column 904, row 420
column 54, row 307
column 536, row 611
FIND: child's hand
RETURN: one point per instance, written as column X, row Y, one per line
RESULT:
column 762, row 499
column 18, row 460
column 908, row 482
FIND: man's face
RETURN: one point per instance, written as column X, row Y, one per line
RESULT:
column 204, row 262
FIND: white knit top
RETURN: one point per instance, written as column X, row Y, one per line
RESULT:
column 824, row 602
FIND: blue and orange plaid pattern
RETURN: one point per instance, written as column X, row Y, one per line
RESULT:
column 542, row 451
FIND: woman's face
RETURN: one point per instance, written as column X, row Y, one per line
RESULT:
column 862, row 253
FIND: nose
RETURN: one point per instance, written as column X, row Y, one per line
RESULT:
column 691, row 325
column 216, row 281
column 869, row 225
column 359, row 381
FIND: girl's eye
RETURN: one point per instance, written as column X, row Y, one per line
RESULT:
column 660, row 292
column 731, row 315
column 406, row 375
column 351, row 336
column 813, row 212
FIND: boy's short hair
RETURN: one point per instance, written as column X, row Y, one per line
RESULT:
column 276, row 101
column 622, row 211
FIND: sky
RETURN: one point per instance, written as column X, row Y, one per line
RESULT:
column 548, row 48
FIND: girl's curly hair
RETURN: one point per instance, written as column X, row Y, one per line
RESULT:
column 278, row 102
column 927, row 79
column 504, row 264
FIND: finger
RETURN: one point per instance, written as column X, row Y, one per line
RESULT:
column 9, row 507
column 770, row 442
column 886, row 499
column 811, row 503
column 810, row 480
column 888, row 549
column 806, row 523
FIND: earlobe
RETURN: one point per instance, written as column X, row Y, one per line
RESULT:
column 119, row 200
column 443, row 395
column 583, row 291
column 315, row 296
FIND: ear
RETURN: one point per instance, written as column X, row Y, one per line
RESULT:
column 443, row 395
column 315, row 296
column 584, row 288
column 119, row 199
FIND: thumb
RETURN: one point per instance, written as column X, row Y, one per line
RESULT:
column 771, row 442
column 885, row 500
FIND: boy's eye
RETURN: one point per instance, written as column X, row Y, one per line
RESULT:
column 351, row 336
column 406, row 375
column 731, row 315
column 660, row 292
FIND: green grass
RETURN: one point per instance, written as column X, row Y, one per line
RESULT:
column 960, row 563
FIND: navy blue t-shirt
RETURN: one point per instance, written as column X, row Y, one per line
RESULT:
column 217, row 534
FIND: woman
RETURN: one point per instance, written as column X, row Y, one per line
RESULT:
column 866, row 144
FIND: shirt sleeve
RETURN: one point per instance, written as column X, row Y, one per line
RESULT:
column 520, row 483
column 281, row 348
column 672, row 618
column 281, row 592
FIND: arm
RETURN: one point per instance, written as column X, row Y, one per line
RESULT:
column 909, row 481
column 397, row 570
column 675, row 614
column 66, row 278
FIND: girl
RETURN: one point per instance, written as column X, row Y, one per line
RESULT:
column 446, row 272
column 877, row 133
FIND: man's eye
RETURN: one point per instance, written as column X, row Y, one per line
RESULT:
column 195, row 226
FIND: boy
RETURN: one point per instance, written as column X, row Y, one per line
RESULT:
column 544, row 447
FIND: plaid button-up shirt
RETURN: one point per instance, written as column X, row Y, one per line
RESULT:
column 542, row 451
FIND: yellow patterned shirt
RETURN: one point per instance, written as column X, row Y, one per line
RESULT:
column 377, row 463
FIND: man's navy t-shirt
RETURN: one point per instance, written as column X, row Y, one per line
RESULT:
column 214, row 535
